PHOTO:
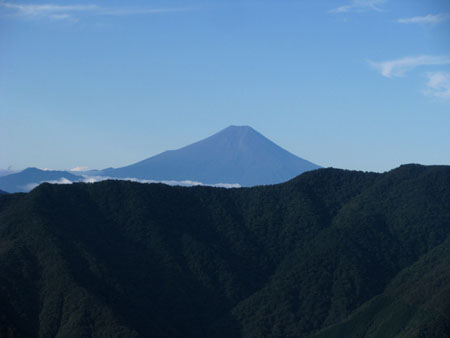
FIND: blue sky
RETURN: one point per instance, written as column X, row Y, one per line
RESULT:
column 356, row 84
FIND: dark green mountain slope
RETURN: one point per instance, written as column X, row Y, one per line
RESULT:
column 331, row 253
column 415, row 304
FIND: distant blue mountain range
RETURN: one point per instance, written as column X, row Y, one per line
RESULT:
column 29, row 178
column 236, row 155
column 4, row 172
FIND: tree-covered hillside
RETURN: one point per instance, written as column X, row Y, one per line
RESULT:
column 331, row 253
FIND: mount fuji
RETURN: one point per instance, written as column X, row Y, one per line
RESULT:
column 237, row 154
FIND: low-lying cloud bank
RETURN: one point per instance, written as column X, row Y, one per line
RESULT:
column 94, row 179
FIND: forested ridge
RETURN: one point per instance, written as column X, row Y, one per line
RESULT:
column 331, row 253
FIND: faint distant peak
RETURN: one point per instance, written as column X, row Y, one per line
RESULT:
column 31, row 169
column 238, row 131
column 234, row 127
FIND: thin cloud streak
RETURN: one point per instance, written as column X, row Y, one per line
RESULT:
column 47, row 9
column 79, row 168
column 138, row 11
column 60, row 17
column 399, row 67
column 432, row 19
column 70, row 12
column 360, row 6
column 33, row 9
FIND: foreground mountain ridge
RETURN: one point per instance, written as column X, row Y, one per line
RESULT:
column 331, row 253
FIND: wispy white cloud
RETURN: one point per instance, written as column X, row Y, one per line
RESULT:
column 73, row 12
column 427, row 19
column 28, row 9
column 438, row 85
column 50, row 11
column 398, row 67
column 360, row 6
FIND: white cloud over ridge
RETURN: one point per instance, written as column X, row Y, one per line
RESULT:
column 31, row 186
column 399, row 67
column 94, row 179
column 427, row 19
column 73, row 12
column 438, row 85
column 185, row 183
column 360, row 6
